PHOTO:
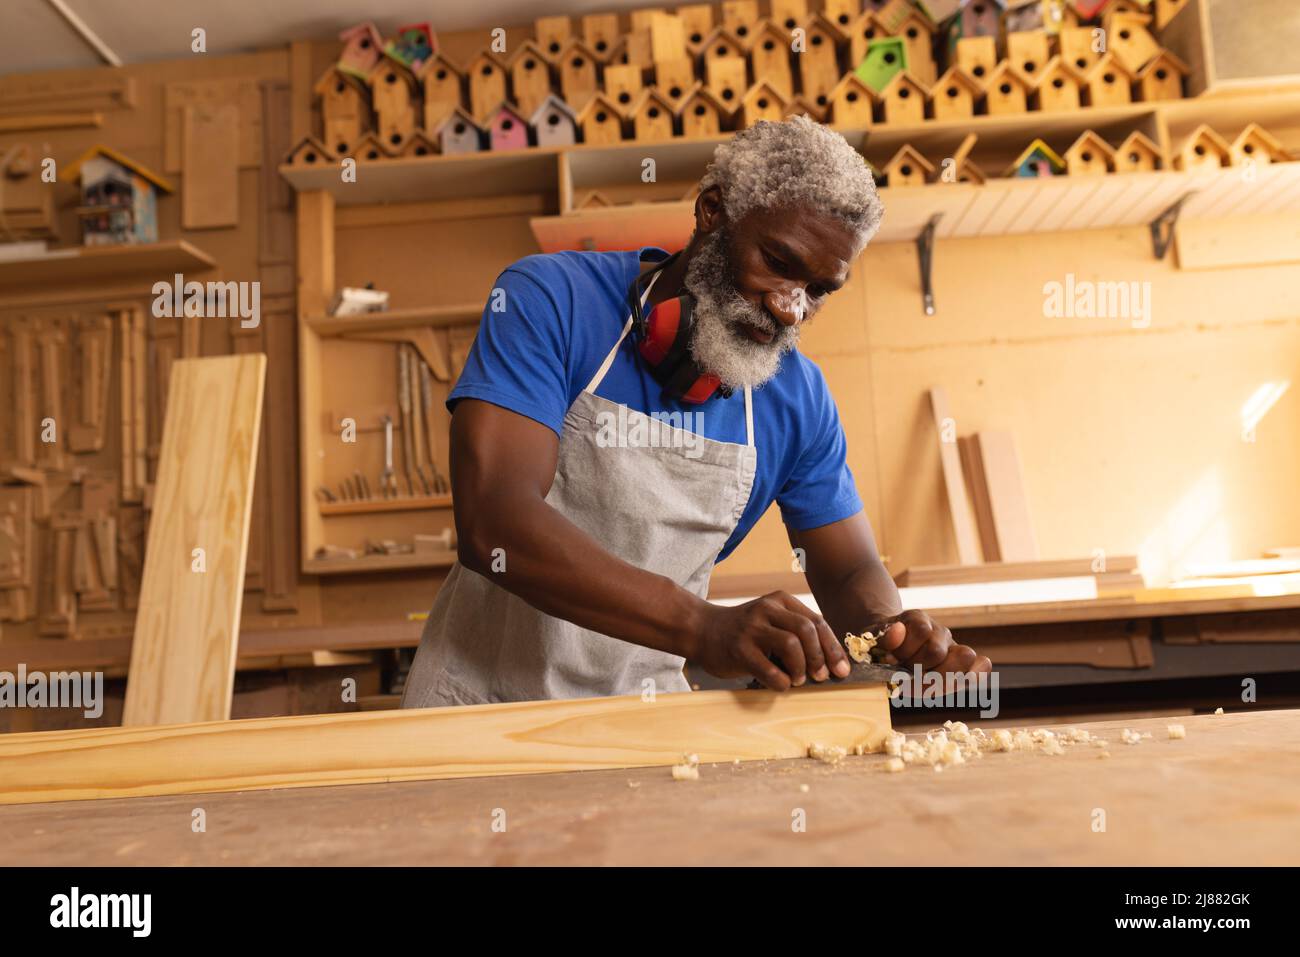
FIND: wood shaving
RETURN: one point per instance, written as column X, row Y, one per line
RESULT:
column 1130, row 737
column 804, row 788
column 1218, row 711
column 859, row 646
column 827, row 753
column 1177, row 732
column 894, row 765
column 688, row 770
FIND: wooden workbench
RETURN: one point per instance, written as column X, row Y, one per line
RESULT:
column 1227, row 794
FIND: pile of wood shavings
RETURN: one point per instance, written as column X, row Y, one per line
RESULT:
column 955, row 743
column 860, row 646
column 828, row 753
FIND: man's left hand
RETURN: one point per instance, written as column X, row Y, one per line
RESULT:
column 914, row 638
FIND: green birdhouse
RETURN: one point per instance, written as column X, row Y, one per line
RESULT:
column 885, row 57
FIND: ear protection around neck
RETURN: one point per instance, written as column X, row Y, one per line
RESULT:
column 663, row 339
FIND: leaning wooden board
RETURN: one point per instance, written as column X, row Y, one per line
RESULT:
column 187, row 624
column 1226, row 795
column 469, row 741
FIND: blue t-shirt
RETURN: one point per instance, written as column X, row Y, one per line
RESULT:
column 555, row 319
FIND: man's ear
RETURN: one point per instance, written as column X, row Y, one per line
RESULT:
column 709, row 214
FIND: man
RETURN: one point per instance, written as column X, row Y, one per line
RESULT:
column 585, row 550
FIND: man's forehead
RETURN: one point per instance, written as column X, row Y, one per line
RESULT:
column 817, row 237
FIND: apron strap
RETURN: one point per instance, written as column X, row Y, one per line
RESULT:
column 749, row 417
column 627, row 327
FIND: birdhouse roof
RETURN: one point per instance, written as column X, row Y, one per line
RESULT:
column 920, row 18
column 1057, row 65
column 762, row 86
column 332, row 74
column 525, row 48
column 972, row 171
column 459, row 113
column 851, row 79
column 351, row 33
column 1256, row 132
column 905, row 76
column 955, row 74
column 121, row 160
column 819, row 21
column 701, row 91
column 766, row 26
column 367, row 139
column 647, row 94
column 908, row 154
column 504, row 106
column 1087, row 9
column 581, row 46
column 485, row 54
column 417, row 140
column 1203, row 132
column 1138, row 140
column 801, row 103
column 722, row 35
column 1004, row 69
column 1038, row 146
column 390, row 62
column 1167, row 58
column 599, row 101
column 551, row 102
column 1108, row 62
column 308, row 141
column 1090, row 139
column 428, row 65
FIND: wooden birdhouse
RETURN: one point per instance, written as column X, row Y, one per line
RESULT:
column 622, row 84
column 487, row 82
column 419, row 145
column 1089, row 9
column 852, row 103
column 554, row 123
column 1037, row 161
column 459, row 133
column 368, row 149
column 819, row 63
column 800, row 106
column 413, row 46
column 652, row 116
column 344, row 109
column 577, row 74
column 1029, row 52
column 675, row 78
column 885, row 59
column 1108, row 83
column 978, row 57
column 903, row 100
column 955, row 95
column 600, row 31
column 981, row 18
column 1006, row 92
column 788, row 14
column 740, row 16
column 769, row 57
column 1077, row 48
column 1204, row 149
column 1166, row 10
column 119, row 197
column 1058, row 88
column 1129, row 39
column 968, row 171
column 842, row 13
column 530, row 77
column 393, row 97
column 940, row 11
column 1050, row 16
column 719, row 45
column 917, row 33
column 862, row 32
column 908, row 168
column 893, row 12
column 601, row 121
column 1162, row 78
column 591, row 199
column 310, row 153
column 1137, row 154
column 702, row 113
column 443, row 82
column 697, row 22
column 633, row 48
column 552, row 34
column 1089, row 155
column 362, row 46
column 727, row 80
column 762, row 101
column 667, row 36
column 1256, row 145
column 506, row 128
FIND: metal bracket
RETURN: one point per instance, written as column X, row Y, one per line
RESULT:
column 1162, row 227
column 925, row 256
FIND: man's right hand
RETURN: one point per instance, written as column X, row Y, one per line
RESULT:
column 737, row 640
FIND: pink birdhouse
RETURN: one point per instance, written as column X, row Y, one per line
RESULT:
column 362, row 45
column 507, row 130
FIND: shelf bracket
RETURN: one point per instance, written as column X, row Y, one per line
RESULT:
column 1162, row 227
column 925, row 256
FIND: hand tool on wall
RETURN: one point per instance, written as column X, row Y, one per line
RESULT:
column 25, row 428
column 388, row 480
column 404, row 403
column 440, row 484
column 417, row 422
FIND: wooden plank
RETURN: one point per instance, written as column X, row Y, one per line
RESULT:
column 473, row 741
column 1231, row 243
column 1011, row 571
column 50, row 121
column 210, row 167
column 973, row 469
column 241, row 93
column 89, row 264
column 1007, row 501
column 187, row 626
column 315, row 244
column 959, row 509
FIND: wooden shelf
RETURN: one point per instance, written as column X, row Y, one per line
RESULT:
column 405, row 503
column 378, row 563
column 437, row 317
column 82, row 264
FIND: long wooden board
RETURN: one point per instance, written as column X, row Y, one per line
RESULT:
column 187, row 625
column 471, row 741
column 1012, row 571
column 1006, row 489
column 963, row 519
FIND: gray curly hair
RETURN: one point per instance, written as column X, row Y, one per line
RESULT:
column 796, row 162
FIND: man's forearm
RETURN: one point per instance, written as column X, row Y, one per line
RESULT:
column 864, row 597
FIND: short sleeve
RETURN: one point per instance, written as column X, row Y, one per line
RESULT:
column 518, row 360
column 820, row 489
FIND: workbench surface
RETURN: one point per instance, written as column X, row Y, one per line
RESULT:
column 1229, row 793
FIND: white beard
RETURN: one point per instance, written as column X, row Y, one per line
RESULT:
column 717, row 345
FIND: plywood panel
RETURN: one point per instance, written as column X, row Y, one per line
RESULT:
column 187, row 626
column 210, row 167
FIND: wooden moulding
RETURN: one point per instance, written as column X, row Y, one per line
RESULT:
column 434, row 743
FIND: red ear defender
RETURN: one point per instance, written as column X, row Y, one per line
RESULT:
column 663, row 339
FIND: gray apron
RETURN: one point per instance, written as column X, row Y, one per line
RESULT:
column 656, row 508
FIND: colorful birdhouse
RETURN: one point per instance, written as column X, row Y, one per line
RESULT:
column 885, row 59
column 955, row 95
column 459, row 133
column 119, row 198
column 1058, row 88
column 1162, row 78
column 1256, row 145
column 652, row 116
column 908, row 167
column 769, row 57
column 819, row 66
column 530, row 77
column 862, row 32
column 552, row 33
column 1037, row 161
column 1108, row 83
column 600, row 31
column 917, row 33
column 1129, row 39
column 981, row 18
column 419, row 145
column 1050, row 16
column 1089, row 155
column 697, row 24
column 903, row 100
column 893, row 13
column 344, row 109
column 800, row 106
column 1203, row 149
column 443, row 82
column 601, row 121
column 702, row 113
column 413, row 45
column 577, row 67
column 393, row 97
column 1089, row 9
column 940, row 11
column 852, row 103
column 1029, row 52
column 362, row 46
column 1006, row 91
column 978, row 57
column 554, row 123
column 311, row 153
column 675, row 78
column 1137, row 154
column 1078, row 48
column 762, row 101
column 506, row 128
column 487, row 82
